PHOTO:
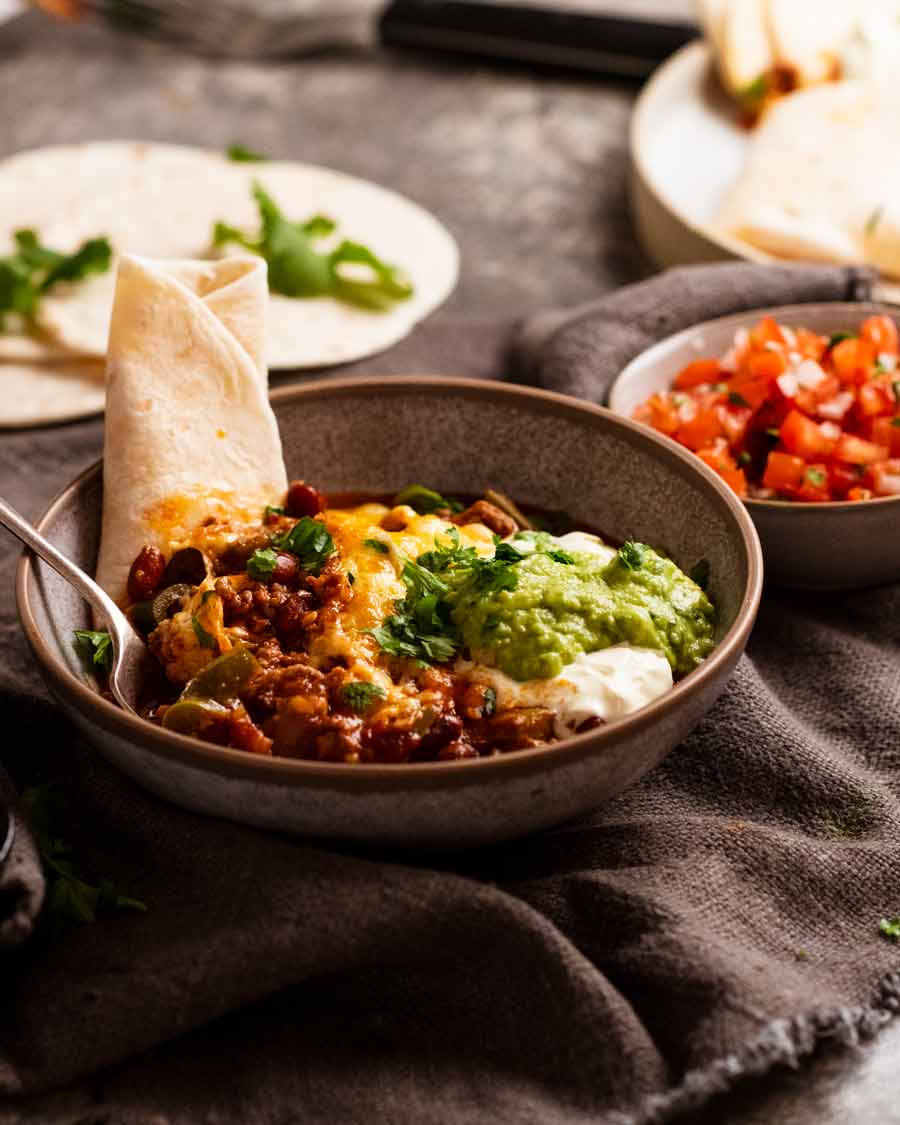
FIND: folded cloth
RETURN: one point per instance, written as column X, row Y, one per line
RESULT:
column 720, row 918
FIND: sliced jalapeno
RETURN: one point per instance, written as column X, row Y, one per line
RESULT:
column 187, row 716
column 223, row 677
column 168, row 599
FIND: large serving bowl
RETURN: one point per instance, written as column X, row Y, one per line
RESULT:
column 832, row 546
column 460, row 436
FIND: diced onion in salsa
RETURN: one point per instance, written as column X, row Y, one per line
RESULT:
column 788, row 414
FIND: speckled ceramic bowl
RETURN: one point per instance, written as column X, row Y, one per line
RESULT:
column 834, row 546
column 460, row 436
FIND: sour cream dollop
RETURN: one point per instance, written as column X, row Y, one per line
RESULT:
column 603, row 685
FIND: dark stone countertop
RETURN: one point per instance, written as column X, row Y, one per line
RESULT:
column 530, row 174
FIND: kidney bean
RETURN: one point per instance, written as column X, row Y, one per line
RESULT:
column 146, row 573
column 287, row 569
column 288, row 620
column 304, row 500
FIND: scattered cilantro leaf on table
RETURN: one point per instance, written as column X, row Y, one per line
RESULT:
column 298, row 269
column 890, row 928
column 70, row 898
column 95, row 648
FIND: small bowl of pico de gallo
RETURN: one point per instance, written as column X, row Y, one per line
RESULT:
column 797, row 408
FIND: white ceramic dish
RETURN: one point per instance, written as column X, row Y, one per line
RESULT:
column 687, row 148
column 832, row 546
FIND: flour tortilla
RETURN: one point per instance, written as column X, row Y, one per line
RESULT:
column 738, row 33
column 750, row 37
column 36, row 394
column 822, row 178
column 161, row 201
column 189, row 429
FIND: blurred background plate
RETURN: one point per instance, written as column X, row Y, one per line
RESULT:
column 687, row 148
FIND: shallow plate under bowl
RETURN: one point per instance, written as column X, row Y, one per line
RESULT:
column 834, row 546
column 459, row 436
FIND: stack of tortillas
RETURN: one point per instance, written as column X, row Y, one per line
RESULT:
column 162, row 201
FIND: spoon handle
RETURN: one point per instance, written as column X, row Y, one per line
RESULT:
column 87, row 587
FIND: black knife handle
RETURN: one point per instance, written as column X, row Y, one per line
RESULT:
column 549, row 36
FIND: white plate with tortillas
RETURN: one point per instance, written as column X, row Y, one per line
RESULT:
column 163, row 201
column 813, row 178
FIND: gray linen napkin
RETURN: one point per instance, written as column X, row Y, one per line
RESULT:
column 719, row 919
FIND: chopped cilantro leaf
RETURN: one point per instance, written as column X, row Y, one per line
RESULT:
column 744, row 458
column 310, row 540
column 815, row 477
column 206, row 639
column 631, row 555
column 736, row 399
column 377, row 545
column 561, row 556
column 240, row 154
column 773, row 432
column 890, row 928
column 297, row 269
column 261, row 564
column 895, row 387
column 895, row 421
column 425, row 500
column 273, row 510
column 444, row 558
column 359, row 695
column 95, row 647
column 69, row 898
column 838, row 337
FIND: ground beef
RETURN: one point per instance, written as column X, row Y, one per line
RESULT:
column 490, row 515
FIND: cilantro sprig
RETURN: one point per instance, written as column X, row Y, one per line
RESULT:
column 351, row 273
column 33, row 270
column 95, row 648
column 71, row 898
column 310, row 540
column 421, row 626
column 261, row 564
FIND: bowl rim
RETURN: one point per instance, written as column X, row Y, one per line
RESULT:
column 189, row 751
column 741, row 319
column 690, row 56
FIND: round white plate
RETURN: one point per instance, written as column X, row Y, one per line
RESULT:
column 687, row 148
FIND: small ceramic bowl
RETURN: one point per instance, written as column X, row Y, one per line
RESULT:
column 834, row 546
column 460, row 436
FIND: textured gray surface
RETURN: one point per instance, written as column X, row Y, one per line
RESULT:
column 527, row 172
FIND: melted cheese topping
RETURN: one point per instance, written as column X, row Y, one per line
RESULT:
column 377, row 584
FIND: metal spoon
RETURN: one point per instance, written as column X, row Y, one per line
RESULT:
column 130, row 654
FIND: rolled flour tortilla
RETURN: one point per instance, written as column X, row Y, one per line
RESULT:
column 190, row 433
column 163, row 200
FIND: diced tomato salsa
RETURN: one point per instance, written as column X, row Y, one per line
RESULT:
column 788, row 414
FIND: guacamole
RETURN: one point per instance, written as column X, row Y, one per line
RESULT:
column 558, row 609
